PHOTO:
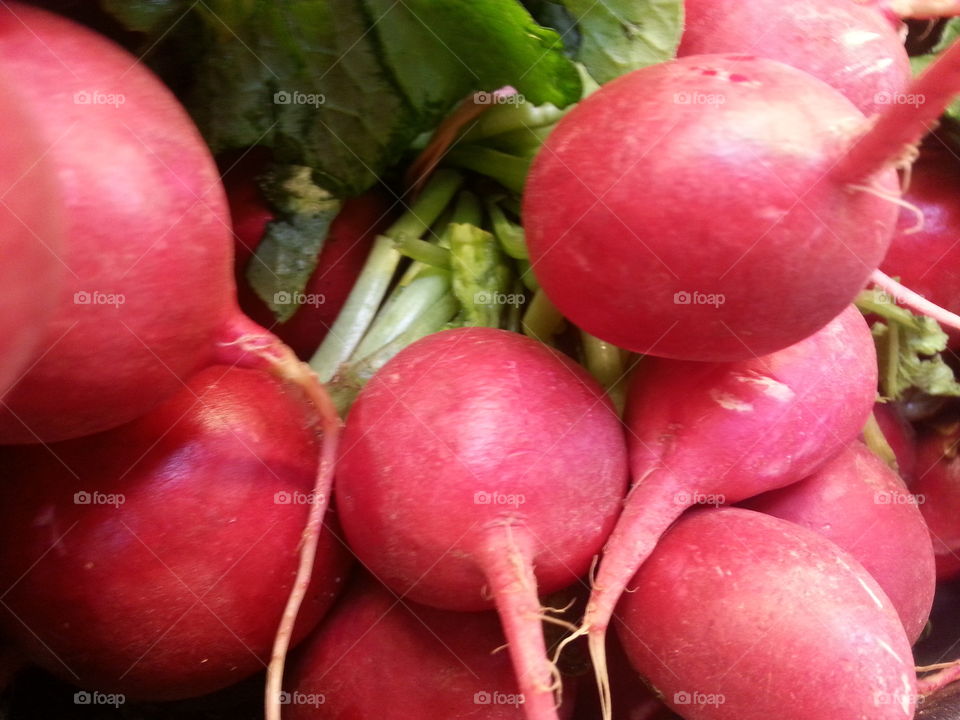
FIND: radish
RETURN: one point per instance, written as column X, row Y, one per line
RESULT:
column 149, row 294
column 924, row 253
column 479, row 468
column 787, row 218
column 714, row 433
column 30, row 238
column 742, row 616
column 376, row 656
column 155, row 559
column 937, row 486
column 850, row 46
column 344, row 252
column 860, row 504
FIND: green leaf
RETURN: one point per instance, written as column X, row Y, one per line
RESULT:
column 622, row 35
column 287, row 255
column 909, row 349
column 480, row 275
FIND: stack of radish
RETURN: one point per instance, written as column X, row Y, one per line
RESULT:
column 166, row 526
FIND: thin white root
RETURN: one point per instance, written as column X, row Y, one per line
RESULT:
column 899, row 201
column 914, row 301
column 598, row 654
column 577, row 633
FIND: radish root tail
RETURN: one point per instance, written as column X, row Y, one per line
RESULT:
column 598, row 654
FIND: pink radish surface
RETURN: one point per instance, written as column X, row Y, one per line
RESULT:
column 854, row 48
column 148, row 285
column 30, row 237
column 156, row 559
column 715, row 433
column 937, row 486
column 743, row 616
column 925, row 254
column 478, row 468
column 772, row 227
column 860, row 504
column 376, row 657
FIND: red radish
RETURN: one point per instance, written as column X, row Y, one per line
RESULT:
column 479, row 468
column 714, row 433
column 377, row 657
column 155, row 559
column 743, row 616
column 924, row 253
column 346, row 248
column 900, row 436
column 30, row 238
column 937, row 486
column 149, row 292
column 860, row 504
column 850, row 46
column 788, row 217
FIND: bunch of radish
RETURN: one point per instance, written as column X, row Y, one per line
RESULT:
column 182, row 505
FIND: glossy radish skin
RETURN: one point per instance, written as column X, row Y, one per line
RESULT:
column 924, row 254
column 749, row 617
column 30, row 237
column 855, row 49
column 177, row 590
column 479, row 467
column 377, row 657
column 766, row 230
column 348, row 242
column 860, row 504
column 715, row 433
column 937, row 487
column 148, row 281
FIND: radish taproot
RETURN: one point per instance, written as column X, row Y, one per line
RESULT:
column 30, row 237
column 148, row 293
column 729, row 595
column 715, row 433
column 860, row 504
column 347, row 670
column 155, row 559
column 851, row 47
column 478, row 468
column 788, row 216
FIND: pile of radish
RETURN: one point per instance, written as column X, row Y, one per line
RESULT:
column 639, row 408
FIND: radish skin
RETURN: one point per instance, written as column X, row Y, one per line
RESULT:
column 479, row 469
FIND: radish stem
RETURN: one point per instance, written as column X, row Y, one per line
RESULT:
column 542, row 320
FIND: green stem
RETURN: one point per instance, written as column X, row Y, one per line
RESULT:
column 603, row 360
column 889, row 382
column 426, row 253
column 878, row 443
column 542, row 320
column 353, row 376
column 509, row 118
column 410, row 304
column 374, row 280
column 508, row 170
column 508, row 234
